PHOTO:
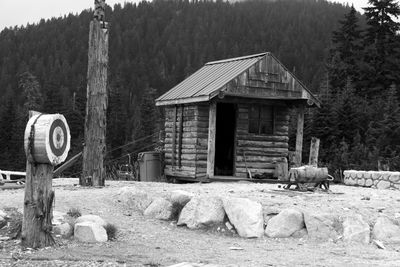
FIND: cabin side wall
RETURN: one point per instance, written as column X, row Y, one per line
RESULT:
column 261, row 152
column 186, row 146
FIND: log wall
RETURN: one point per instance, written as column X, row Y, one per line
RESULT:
column 261, row 151
column 186, row 146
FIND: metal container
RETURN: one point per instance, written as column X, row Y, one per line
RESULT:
column 150, row 166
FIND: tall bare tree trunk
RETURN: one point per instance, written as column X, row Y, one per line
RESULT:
column 96, row 105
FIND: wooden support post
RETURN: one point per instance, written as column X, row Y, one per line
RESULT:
column 180, row 137
column 314, row 149
column 299, row 135
column 96, row 106
column 212, row 123
column 174, row 136
column 38, row 200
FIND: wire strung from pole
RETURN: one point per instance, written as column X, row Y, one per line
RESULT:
column 133, row 142
column 116, row 159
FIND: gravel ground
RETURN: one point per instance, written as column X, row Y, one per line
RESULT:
column 146, row 242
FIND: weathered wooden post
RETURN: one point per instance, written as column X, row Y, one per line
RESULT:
column 96, row 106
column 299, row 136
column 47, row 142
column 314, row 150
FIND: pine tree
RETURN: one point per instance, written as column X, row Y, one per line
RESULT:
column 346, row 50
column 381, row 54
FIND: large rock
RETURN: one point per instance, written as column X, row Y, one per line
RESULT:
column 383, row 184
column 245, row 215
column 287, row 222
column 386, row 230
column 3, row 214
column 91, row 218
column 202, row 211
column 65, row 230
column 90, row 232
column 134, row 198
column 180, row 197
column 160, row 209
column 355, row 229
column 322, row 226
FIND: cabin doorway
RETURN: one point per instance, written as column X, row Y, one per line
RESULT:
column 225, row 139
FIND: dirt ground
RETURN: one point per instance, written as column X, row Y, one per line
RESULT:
column 148, row 242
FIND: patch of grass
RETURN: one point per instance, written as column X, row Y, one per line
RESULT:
column 111, row 230
column 74, row 213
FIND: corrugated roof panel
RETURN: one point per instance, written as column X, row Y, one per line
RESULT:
column 228, row 73
column 182, row 89
column 210, row 78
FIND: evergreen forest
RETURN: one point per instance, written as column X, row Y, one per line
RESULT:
column 351, row 61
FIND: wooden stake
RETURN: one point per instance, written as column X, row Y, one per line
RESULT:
column 96, row 105
column 212, row 125
column 180, row 138
column 299, row 135
column 38, row 200
column 314, row 149
column 174, row 137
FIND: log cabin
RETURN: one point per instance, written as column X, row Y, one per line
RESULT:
column 230, row 120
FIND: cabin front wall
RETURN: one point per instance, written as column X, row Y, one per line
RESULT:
column 259, row 153
column 186, row 135
column 186, row 147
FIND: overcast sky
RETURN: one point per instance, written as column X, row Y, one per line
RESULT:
column 21, row 12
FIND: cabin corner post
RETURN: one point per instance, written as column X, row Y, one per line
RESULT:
column 212, row 123
column 299, row 135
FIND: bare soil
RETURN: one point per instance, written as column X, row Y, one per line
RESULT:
column 147, row 242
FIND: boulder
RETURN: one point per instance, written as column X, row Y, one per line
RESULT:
column 386, row 230
column 202, row 211
column 65, row 230
column 90, row 232
column 160, row 209
column 3, row 214
column 246, row 215
column 322, row 226
column 355, row 229
column 134, row 198
column 180, row 197
column 383, row 184
column 300, row 233
column 91, row 218
column 285, row 223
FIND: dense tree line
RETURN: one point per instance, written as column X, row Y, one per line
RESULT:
column 152, row 45
column 359, row 123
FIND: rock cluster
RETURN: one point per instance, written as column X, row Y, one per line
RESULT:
column 375, row 179
column 86, row 228
column 251, row 220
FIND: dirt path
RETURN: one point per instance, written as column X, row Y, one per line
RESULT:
column 147, row 242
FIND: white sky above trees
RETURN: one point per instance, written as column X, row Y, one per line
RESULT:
column 21, row 12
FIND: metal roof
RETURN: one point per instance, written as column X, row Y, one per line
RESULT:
column 209, row 79
column 202, row 85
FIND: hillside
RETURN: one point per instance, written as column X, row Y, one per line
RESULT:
column 152, row 45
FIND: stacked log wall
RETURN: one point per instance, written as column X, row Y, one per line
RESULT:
column 261, row 152
column 193, row 148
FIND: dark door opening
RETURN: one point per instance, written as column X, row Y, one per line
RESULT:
column 225, row 139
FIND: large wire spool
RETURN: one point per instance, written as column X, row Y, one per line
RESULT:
column 308, row 174
column 47, row 139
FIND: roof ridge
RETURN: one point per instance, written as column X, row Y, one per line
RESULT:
column 235, row 59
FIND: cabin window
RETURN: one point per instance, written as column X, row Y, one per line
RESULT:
column 261, row 119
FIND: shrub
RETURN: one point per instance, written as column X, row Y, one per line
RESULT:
column 74, row 213
column 111, row 230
